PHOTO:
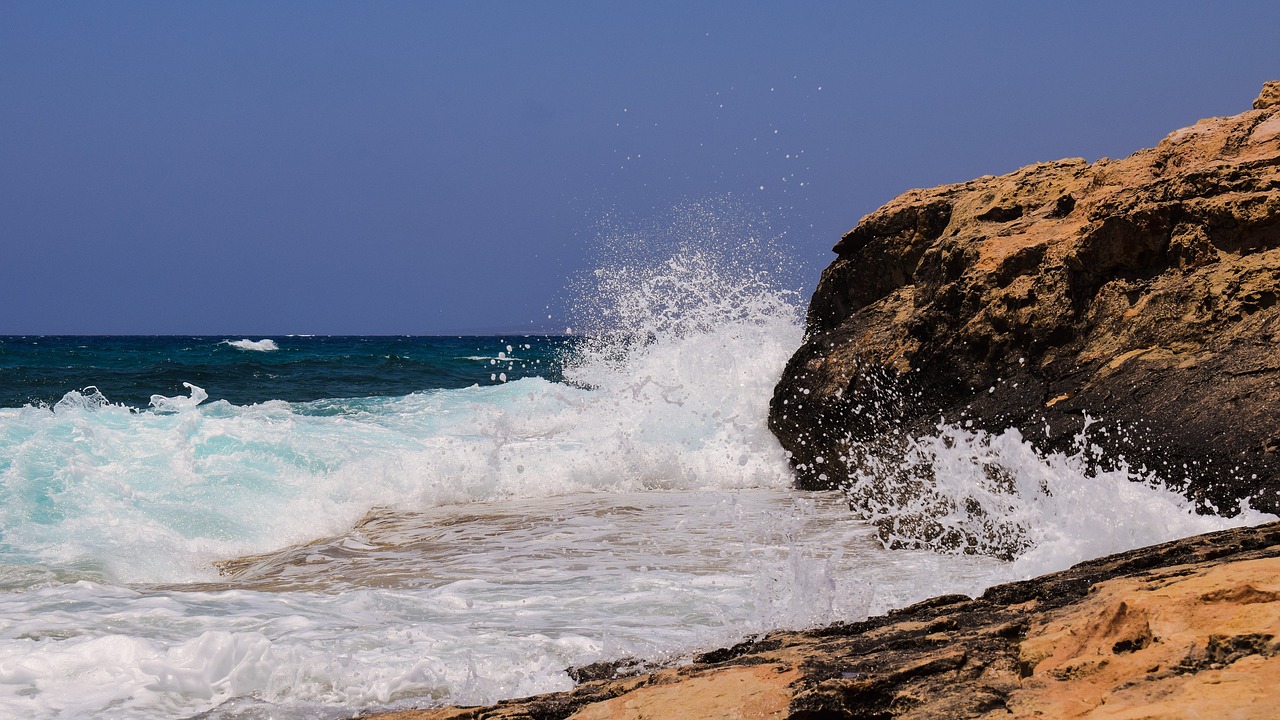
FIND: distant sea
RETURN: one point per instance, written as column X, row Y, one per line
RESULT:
column 128, row 370
column 291, row 527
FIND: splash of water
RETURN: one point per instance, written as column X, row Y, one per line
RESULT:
column 706, row 270
column 163, row 404
column 966, row 491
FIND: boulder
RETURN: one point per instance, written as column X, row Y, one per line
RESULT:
column 1135, row 297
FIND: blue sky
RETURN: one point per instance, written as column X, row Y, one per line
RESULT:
column 433, row 167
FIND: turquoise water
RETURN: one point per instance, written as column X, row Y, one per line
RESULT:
column 188, row 441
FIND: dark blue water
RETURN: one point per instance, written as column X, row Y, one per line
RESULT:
column 130, row 369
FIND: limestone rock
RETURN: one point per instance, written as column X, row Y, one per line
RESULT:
column 1141, row 292
column 1269, row 97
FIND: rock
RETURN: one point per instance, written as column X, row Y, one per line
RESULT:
column 1183, row 629
column 1269, row 97
column 1140, row 293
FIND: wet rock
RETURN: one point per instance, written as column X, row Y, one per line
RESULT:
column 1141, row 293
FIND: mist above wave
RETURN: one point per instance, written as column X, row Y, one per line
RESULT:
column 702, row 268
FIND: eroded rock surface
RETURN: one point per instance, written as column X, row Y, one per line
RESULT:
column 1140, row 291
column 1186, row 629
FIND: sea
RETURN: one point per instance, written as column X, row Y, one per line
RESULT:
column 287, row 527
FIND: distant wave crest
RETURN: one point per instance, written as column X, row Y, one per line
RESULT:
column 264, row 345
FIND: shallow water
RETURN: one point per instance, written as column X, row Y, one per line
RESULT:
column 463, row 604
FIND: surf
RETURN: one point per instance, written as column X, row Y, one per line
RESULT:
column 263, row 345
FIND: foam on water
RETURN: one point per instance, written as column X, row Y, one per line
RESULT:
column 162, row 404
column 469, row 544
column 263, row 345
column 675, row 397
column 466, row 606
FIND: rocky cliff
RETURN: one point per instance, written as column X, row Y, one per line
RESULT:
column 1181, row 630
column 1140, row 293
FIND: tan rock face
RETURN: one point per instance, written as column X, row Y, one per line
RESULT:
column 755, row 692
column 1141, row 291
column 1270, row 96
column 738, row 693
column 1179, row 643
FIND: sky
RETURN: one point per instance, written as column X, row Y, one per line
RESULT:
column 447, row 167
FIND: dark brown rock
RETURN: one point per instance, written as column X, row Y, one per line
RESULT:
column 1141, row 292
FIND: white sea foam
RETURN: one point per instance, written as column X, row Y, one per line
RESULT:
column 263, row 345
column 178, row 403
column 471, row 605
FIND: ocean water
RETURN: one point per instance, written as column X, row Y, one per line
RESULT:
column 312, row 527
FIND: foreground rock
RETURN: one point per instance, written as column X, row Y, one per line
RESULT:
column 1140, row 291
column 1181, row 630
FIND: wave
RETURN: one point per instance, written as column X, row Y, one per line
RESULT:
column 157, row 496
column 163, row 404
column 668, row 389
column 263, row 345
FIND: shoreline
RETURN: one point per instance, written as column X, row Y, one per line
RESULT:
column 1170, row 630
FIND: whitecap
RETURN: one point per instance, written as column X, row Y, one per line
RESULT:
column 178, row 403
column 88, row 399
column 263, row 345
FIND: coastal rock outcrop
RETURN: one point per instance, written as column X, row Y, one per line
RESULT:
column 1183, row 629
column 1137, row 297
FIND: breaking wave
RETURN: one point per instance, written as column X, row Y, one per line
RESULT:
column 263, row 345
